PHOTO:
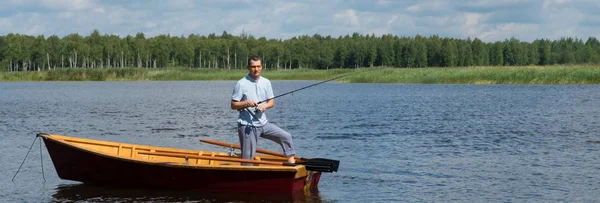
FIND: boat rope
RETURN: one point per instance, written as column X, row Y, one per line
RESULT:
column 41, row 161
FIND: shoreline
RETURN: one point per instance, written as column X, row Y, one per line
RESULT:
column 573, row 74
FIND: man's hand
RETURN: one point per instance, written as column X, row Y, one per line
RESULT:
column 261, row 108
column 250, row 103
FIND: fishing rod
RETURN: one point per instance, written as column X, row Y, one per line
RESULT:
column 335, row 78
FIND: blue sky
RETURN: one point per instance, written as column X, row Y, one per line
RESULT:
column 489, row 20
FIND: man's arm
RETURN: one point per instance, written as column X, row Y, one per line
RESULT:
column 237, row 95
column 239, row 105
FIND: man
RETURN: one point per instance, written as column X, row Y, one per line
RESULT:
column 252, row 121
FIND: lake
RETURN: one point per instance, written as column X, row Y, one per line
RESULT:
column 396, row 142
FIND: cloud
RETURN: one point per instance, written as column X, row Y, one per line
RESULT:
column 489, row 20
column 347, row 17
column 486, row 6
column 472, row 25
column 430, row 8
column 58, row 5
column 508, row 30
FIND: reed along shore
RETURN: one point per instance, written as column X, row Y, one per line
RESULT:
column 573, row 74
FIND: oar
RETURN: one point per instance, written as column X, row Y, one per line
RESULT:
column 326, row 165
column 235, row 146
column 308, row 165
column 195, row 156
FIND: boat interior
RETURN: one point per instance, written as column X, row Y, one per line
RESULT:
column 172, row 156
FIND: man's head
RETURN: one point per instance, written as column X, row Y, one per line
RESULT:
column 254, row 67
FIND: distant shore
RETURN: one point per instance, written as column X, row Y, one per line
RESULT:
column 573, row 74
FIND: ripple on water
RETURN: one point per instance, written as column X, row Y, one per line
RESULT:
column 414, row 143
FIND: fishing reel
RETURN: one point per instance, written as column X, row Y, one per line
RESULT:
column 258, row 110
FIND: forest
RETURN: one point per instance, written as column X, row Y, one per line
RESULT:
column 38, row 53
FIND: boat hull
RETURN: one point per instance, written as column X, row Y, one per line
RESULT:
column 76, row 164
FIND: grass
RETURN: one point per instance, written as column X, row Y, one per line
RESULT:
column 484, row 75
column 462, row 75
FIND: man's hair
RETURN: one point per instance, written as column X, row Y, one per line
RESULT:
column 253, row 58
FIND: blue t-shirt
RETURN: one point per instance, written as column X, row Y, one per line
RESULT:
column 250, row 89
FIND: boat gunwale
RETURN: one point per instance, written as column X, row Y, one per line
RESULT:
column 64, row 140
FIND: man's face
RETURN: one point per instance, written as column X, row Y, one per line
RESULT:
column 255, row 68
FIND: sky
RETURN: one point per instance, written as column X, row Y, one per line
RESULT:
column 488, row 20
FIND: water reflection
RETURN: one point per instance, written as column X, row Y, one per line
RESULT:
column 94, row 193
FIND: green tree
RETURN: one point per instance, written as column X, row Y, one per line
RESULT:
column 565, row 51
column 340, row 56
column 27, row 53
column 3, row 55
column 480, row 53
column 418, row 52
column 385, row 51
column 533, row 54
column 465, row 54
column 545, row 52
column 140, row 51
column 38, row 53
column 434, row 51
column 160, row 48
column 580, row 52
column 399, row 52
column 449, row 52
column 496, row 53
column 96, row 43
column 512, row 52
column 592, row 47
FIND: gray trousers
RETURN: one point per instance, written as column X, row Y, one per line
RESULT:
column 249, row 138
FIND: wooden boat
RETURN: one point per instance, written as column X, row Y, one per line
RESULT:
column 130, row 165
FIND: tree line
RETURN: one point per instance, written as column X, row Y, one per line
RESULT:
column 33, row 53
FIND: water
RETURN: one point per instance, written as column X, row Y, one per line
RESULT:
column 403, row 143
